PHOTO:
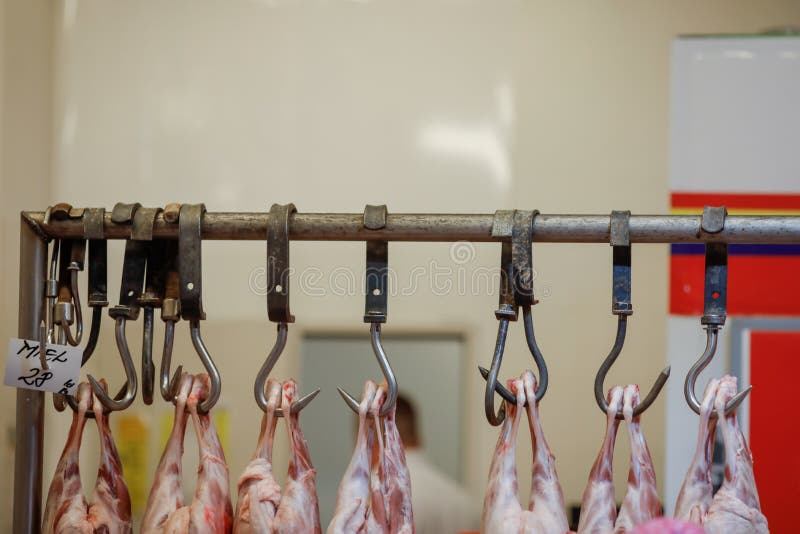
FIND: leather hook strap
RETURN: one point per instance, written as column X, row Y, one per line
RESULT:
column 619, row 237
column 278, row 267
column 190, row 266
column 377, row 268
column 715, row 291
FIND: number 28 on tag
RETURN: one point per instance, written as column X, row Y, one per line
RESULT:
column 24, row 367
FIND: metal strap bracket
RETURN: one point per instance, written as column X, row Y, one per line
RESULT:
column 278, row 266
column 377, row 269
column 713, row 220
column 619, row 237
column 190, row 265
column 502, row 224
column 143, row 221
column 130, row 289
column 522, row 256
column 123, row 213
column 93, row 219
column 715, row 290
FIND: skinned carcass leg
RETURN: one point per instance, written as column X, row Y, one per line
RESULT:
column 641, row 502
column 598, row 508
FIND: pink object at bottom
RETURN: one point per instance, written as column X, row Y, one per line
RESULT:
column 668, row 526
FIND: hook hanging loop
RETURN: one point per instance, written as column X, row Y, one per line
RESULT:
column 715, row 295
column 622, row 307
column 376, row 303
column 516, row 291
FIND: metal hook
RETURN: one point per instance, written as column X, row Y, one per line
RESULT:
column 715, row 294
column 376, row 304
column 68, row 292
column 151, row 298
column 133, row 272
column 386, row 369
column 266, row 368
column 170, row 314
column 208, row 363
column 119, row 402
column 516, row 291
column 190, row 269
column 93, row 226
column 538, row 358
column 712, row 333
column 622, row 307
column 278, row 301
column 67, row 308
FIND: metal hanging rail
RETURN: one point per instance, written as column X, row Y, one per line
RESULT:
column 450, row 227
column 715, row 227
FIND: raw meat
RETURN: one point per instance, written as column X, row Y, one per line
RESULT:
column 110, row 507
column 398, row 479
column 694, row 500
column 641, row 502
column 298, row 512
column 259, row 492
column 261, row 508
column 353, row 497
column 664, row 525
column 375, row 493
column 211, row 509
column 735, row 508
column 166, row 495
column 502, row 511
column 599, row 509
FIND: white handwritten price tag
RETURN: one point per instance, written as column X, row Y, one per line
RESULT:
column 24, row 367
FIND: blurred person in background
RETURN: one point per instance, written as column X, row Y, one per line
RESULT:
column 441, row 505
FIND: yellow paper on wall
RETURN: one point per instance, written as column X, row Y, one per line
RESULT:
column 222, row 422
column 132, row 439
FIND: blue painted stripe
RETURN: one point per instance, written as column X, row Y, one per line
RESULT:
column 739, row 249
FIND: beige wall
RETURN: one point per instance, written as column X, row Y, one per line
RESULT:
column 427, row 106
column 26, row 73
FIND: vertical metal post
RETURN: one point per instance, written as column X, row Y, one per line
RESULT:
column 30, row 404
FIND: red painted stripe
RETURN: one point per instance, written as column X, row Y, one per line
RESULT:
column 764, row 201
column 773, row 367
column 757, row 285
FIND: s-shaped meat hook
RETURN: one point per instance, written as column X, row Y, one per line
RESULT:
column 622, row 307
column 377, row 271
column 715, row 294
column 516, row 291
column 278, row 301
column 93, row 230
column 189, row 284
column 133, row 271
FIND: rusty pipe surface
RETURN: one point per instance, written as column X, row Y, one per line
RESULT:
column 452, row 227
